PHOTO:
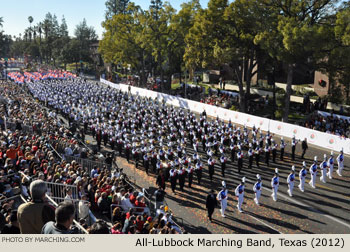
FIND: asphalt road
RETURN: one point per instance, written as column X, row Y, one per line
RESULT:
column 325, row 209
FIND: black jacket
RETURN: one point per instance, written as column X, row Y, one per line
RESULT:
column 211, row 202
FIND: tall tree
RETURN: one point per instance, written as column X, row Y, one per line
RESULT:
column 289, row 36
column 115, row 7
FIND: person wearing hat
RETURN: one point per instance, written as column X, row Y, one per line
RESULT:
column 222, row 197
column 302, row 176
column 340, row 160
column 282, row 146
column 211, row 163
column 274, row 150
column 240, row 156
column 313, row 172
column 323, row 167
column 330, row 166
column 211, row 204
column 250, row 156
column 173, row 178
column 290, row 181
column 257, row 189
column 257, row 155
column 223, row 164
column 267, row 154
column 294, row 143
column 274, row 184
column 239, row 192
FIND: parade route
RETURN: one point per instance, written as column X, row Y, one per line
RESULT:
column 322, row 210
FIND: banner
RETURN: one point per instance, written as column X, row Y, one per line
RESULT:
column 318, row 138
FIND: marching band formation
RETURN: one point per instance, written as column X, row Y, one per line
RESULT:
column 168, row 141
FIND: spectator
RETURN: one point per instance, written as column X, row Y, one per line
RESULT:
column 12, row 227
column 64, row 216
column 32, row 216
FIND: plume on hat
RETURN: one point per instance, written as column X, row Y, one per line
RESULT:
column 304, row 163
column 315, row 158
column 243, row 180
column 223, row 183
column 258, row 177
column 276, row 170
column 293, row 168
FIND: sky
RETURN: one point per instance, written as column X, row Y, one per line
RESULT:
column 15, row 13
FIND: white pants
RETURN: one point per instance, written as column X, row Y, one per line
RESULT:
column 301, row 185
column 240, row 201
column 323, row 175
column 274, row 192
column 330, row 172
column 257, row 196
column 313, row 179
column 223, row 206
column 290, row 188
column 340, row 169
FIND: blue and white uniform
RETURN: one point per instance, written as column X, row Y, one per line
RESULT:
column 302, row 176
column 222, row 197
column 257, row 189
column 290, row 181
column 239, row 192
column 274, row 184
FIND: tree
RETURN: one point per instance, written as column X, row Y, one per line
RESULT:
column 122, row 42
column 86, row 35
column 243, row 21
column 208, row 32
column 115, row 7
column 291, row 35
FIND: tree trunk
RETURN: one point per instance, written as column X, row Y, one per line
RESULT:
column 239, row 72
column 288, row 92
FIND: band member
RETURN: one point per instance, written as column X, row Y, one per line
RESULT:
column 340, row 160
column 290, row 181
column 330, row 166
column 313, row 172
column 282, row 146
column 233, row 151
column 323, row 167
column 257, row 189
column 267, row 154
column 223, row 164
column 189, row 171
column 257, row 155
column 240, row 156
column 173, row 178
column 274, row 150
column 274, row 184
column 250, row 156
column 222, row 197
column 239, row 192
column 302, row 176
column 182, row 178
column 211, row 164
column 198, row 169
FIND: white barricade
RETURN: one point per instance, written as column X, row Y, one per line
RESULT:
column 314, row 137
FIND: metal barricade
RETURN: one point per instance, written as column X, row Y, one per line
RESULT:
column 87, row 164
column 58, row 191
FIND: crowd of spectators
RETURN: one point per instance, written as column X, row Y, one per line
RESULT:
column 34, row 155
column 329, row 124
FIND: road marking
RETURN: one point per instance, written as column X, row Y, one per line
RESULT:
column 264, row 223
column 314, row 209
